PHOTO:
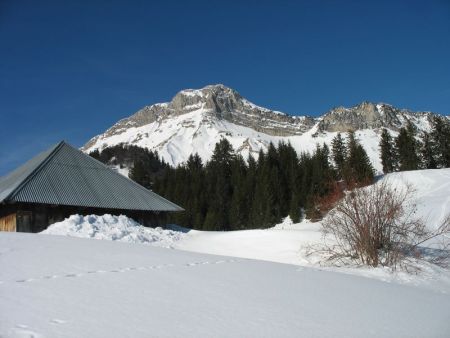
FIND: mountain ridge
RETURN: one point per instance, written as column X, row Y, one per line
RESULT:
column 195, row 119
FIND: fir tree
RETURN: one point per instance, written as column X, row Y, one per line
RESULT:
column 359, row 170
column 220, row 190
column 338, row 151
column 427, row 152
column 440, row 140
column 239, row 200
column 139, row 174
column 387, row 152
column 407, row 148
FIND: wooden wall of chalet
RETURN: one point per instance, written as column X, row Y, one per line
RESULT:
column 8, row 223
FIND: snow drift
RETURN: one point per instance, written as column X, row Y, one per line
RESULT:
column 116, row 228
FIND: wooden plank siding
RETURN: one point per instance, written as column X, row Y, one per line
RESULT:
column 8, row 223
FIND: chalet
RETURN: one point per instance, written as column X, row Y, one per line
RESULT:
column 63, row 181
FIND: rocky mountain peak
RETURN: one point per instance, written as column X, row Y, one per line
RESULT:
column 213, row 98
column 366, row 115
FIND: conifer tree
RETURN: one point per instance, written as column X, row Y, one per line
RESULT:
column 407, row 148
column 427, row 154
column 338, row 151
column 359, row 170
column 440, row 139
column 387, row 152
column 139, row 174
column 219, row 186
column 239, row 200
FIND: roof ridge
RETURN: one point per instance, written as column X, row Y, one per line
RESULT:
column 36, row 170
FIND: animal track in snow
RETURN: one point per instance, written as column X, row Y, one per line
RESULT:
column 119, row 270
column 22, row 331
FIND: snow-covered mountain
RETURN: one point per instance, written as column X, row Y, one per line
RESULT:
column 196, row 119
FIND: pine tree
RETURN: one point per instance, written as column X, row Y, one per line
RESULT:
column 139, row 174
column 440, row 140
column 387, row 153
column 239, row 199
column 219, row 186
column 406, row 147
column 428, row 157
column 359, row 169
column 338, row 151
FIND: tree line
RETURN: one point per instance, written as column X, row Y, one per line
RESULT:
column 229, row 192
column 412, row 150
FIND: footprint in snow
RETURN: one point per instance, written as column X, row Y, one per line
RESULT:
column 22, row 331
column 57, row 321
column 24, row 280
column 49, row 277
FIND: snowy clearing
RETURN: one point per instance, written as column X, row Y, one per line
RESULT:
column 55, row 286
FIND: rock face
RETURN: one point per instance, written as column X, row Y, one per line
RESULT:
column 196, row 119
column 368, row 115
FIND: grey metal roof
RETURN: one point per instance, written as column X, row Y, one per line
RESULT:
column 63, row 175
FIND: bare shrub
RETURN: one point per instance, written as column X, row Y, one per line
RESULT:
column 376, row 225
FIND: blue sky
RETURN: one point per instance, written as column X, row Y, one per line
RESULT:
column 70, row 69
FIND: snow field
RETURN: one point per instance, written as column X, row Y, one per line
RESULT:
column 55, row 286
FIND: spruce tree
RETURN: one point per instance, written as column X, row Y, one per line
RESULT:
column 428, row 157
column 139, row 174
column 239, row 199
column 219, row 186
column 359, row 169
column 387, row 152
column 440, row 140
column 338, row 151
column 406, row 147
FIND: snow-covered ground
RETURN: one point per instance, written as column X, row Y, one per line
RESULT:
column 59, row 286
column 56, row 286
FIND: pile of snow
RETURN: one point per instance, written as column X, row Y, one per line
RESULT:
column 115, row 228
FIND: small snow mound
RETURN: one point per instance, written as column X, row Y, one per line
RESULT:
column 113, row 228
column 285, row 224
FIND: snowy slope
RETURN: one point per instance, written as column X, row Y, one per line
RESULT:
column 195, row 120
column 285, row 243
column 175, row 143
column 291, row 243
column 52, row 286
